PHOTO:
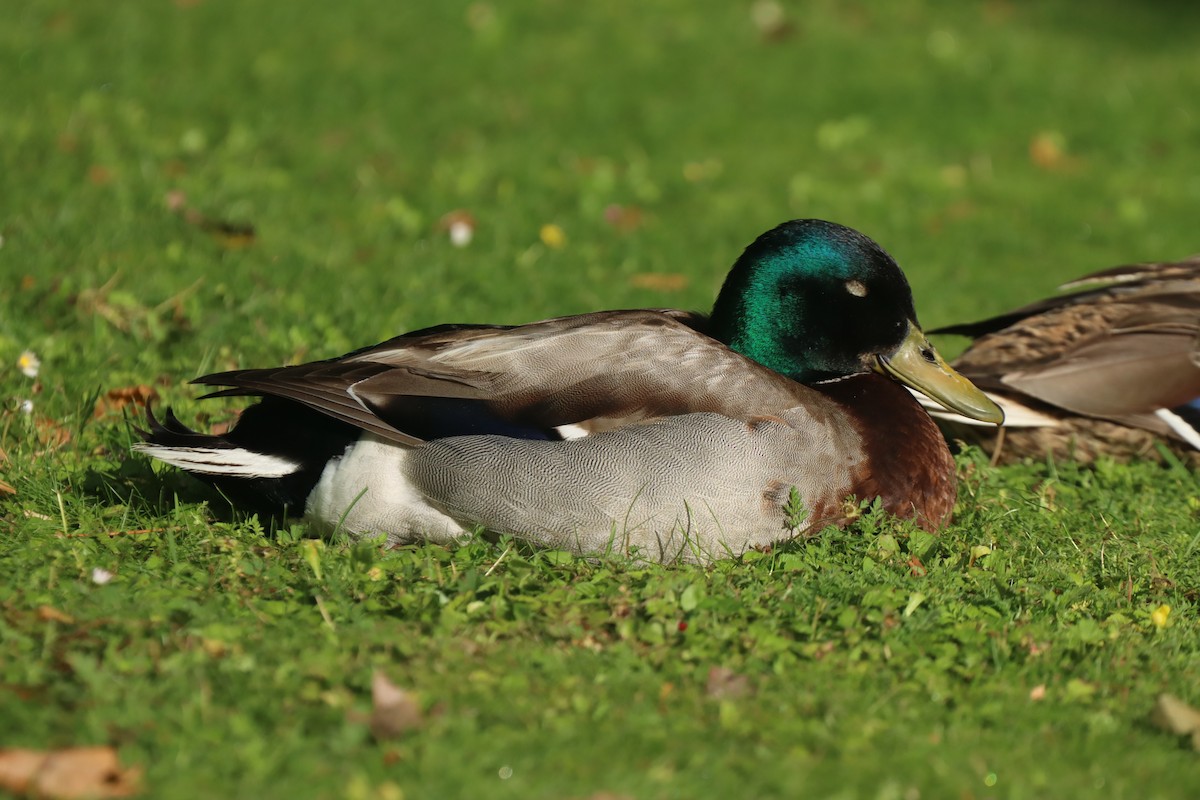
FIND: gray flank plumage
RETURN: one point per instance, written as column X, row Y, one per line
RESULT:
column 576, row 495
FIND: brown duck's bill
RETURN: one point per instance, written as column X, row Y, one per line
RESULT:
column 917, row 364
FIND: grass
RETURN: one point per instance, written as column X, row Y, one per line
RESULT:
column 995, row 148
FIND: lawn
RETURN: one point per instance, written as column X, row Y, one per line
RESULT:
column 198, row 185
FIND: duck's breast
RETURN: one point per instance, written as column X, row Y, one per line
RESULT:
column 905, row 461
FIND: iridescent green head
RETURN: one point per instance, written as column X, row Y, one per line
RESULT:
column 815, row 301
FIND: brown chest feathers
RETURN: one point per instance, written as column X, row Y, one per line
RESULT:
column 905, row 460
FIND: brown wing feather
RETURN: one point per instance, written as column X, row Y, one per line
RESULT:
column 1124, row 374
column 1169, row 281
column 1140, row 275
column 1120, row 351
column 617, row 365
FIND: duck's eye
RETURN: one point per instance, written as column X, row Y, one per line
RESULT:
column 856, row 288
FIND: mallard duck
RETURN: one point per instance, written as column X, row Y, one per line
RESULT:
column 1111, row 370
column 698, row 431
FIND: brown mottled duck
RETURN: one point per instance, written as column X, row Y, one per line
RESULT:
column 1112, row 369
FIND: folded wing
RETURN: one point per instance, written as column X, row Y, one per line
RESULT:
column 599, row 370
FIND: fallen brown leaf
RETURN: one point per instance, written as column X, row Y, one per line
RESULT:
column 221, row 422
column 75, row 772
column 6, row 487
column 660, row 281
column 51, row 435
column 623, row 218
column 997, row 11
column 725, row 684
column 394, row 711
column 18, row 767
column 771, row 20
column 175, row 200
column 60, row 22
column 52, row 614
column 230, row 235
column 117, row 399
column 1047, row 150
column 1177, row 717
column 1173, row 715
column 100, row 175
column 460, row 225
column 98, row 302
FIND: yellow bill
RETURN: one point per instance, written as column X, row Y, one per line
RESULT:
column 917, row 364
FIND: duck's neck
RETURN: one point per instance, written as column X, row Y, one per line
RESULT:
column 750, row 317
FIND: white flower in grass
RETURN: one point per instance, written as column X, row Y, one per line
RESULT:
column 460, row 225
column 461, row 233
column 25, row 406
column 101, row 576
column 29, row 364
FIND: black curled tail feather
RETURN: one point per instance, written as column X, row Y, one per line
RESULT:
column 269, row 462
column 170, row 432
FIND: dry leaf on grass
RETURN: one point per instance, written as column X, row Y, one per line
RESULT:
column 1175, row 716
column 394, row 711
column 117, row 399
column 52, row 614
column 69, row 773
column 660, row 281
column 18, row 768
column 771, row 21
column 623, row 218
column 221, row 422
column 725, row 684
column 230, row 235
column 1048, row 151
column 100, row 175
column 51, row 435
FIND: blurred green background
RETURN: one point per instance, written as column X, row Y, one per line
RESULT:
column 996, row 148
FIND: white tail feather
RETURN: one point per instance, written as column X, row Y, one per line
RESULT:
column 233, row 461
column 1180, row 426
